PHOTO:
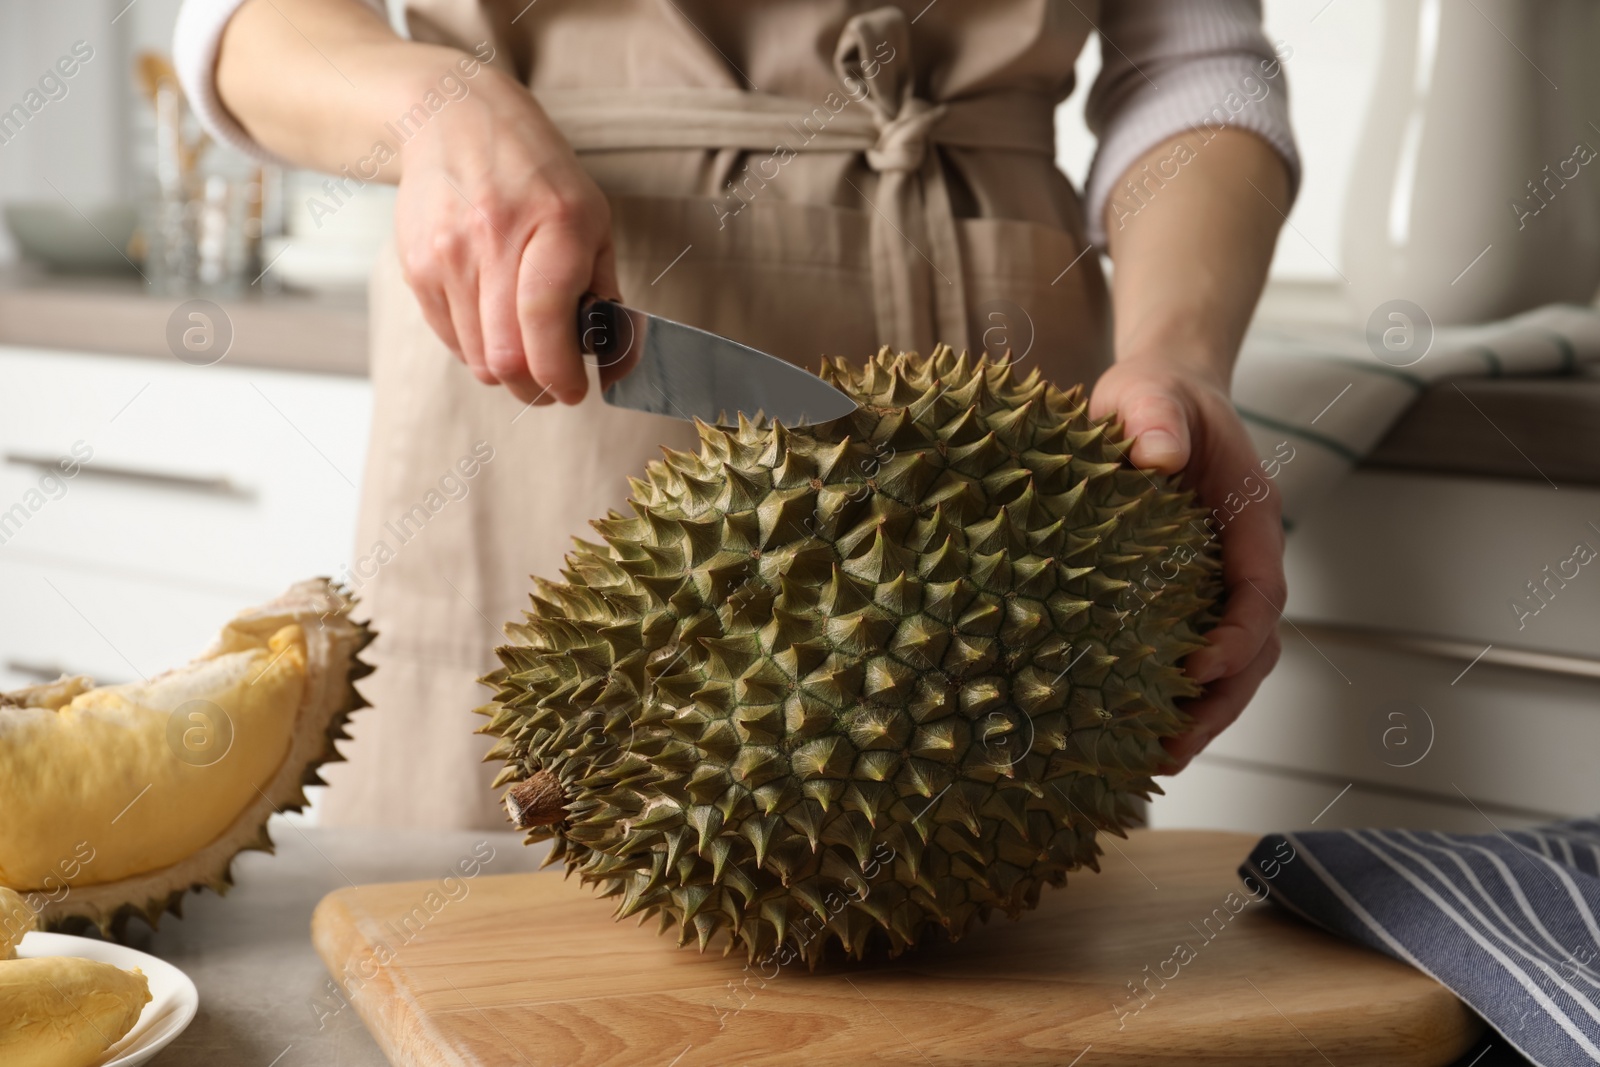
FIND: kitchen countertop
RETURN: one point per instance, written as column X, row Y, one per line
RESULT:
column 319, row 332
column 265, row 997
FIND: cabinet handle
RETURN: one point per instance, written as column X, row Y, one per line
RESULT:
column 216, row 485
column 1526, row 659
column 45, row 672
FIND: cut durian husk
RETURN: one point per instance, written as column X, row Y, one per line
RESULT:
column 115, row 808
column 862, row 682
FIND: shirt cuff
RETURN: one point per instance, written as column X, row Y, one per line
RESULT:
column 1244, row 92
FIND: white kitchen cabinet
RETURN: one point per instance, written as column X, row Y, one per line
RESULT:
column 1448, row 555
column 67, row 619
column 205, row 489
column 1422, row 738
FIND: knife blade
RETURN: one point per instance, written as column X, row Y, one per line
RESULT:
column 669, row 368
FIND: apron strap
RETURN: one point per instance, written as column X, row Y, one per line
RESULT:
column 918, row 284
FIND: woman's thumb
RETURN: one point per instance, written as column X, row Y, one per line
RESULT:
column 1156, row 425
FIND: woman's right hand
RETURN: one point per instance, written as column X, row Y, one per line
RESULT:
column 500, row 231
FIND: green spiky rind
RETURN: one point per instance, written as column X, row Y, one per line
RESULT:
column 862, row 680
column 149, row 896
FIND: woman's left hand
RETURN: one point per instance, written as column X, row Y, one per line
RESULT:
column 1180, row 419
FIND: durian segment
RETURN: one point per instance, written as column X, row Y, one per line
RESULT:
column 861, row 681
column 120, row 798
column 16, row 919
column 127, row 767
column 59, row 1011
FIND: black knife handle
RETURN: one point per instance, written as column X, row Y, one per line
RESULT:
column 602, row 326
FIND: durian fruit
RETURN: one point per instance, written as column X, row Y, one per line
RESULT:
column 61, row 1011
column 16, row 919
column 859, row 681
column 118, row 799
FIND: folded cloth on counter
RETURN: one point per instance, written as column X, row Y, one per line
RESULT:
column 1507, row 921
column 1326, row 392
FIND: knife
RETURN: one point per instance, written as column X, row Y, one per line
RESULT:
column 668, row 368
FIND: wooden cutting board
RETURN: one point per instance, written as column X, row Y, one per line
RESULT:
column 529, row 970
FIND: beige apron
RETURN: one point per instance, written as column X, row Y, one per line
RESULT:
column 812, row 178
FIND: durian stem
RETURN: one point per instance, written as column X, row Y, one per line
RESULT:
column 536, row 801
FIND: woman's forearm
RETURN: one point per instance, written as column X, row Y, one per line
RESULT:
column 1191, row 240
column 321, row 82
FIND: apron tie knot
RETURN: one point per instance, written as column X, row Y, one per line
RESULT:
column 903, row 139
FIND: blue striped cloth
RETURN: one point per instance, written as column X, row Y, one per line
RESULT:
column 1507, row 921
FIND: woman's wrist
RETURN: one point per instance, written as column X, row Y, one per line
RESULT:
column 414, row 91
column 488, row 107
column 1178, row 350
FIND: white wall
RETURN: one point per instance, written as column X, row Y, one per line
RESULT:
column 77, row 143
column 74, row 143
column 90, row 144
column 1330, row 75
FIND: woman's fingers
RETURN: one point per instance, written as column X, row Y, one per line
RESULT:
column 436, row 310
column 1224, row 700
column 441, row 267
column 1225, row 473
column 1255, row 590
column 1252, row 571
column 502, row 333
column 604, row 282
column 461, row 293
column 555, row 271
column 424, row 274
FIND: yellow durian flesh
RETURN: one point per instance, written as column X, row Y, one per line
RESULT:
column 59, row 1011
column 16, row 919
column 117, row 781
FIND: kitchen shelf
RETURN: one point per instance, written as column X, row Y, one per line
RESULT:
column 1520, row 428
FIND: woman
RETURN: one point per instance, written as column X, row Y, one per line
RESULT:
column 813, row 178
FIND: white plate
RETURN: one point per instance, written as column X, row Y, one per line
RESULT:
column 173, row 999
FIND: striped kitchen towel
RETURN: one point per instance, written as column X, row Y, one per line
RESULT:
column 1333, row 393
column 1507, row 921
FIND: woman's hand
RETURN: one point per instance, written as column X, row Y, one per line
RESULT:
column 1179, row 419
column 1190, row 262
column 500, row 231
